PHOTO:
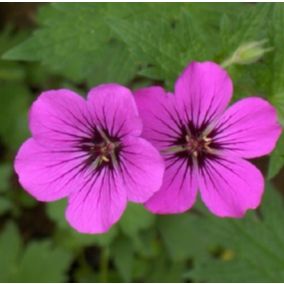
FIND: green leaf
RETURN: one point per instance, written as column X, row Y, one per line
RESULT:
column 5, row 205
column 123, row 256
column 38, row 262
column 24, row 199
column 85, row 274
column 277, row 40
column 251, row 247
column 42, row 262
column 10, row 247
column 103, row 42
column 276, row 71
column 5, row 175
column 178, row 234
column 135, row 219
column 240, row 38
column 276, row 77
column 163, row 270
column 114, row 65
column 14, row 103
column 146, row 243
column 276, row 160
column 151, row 46
column 55, row 211
column 252, row 24
column 277, row 100
column 74, row 40
column 11, row 71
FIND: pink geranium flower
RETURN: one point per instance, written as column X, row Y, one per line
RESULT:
column 204, row 146
column 89, row 151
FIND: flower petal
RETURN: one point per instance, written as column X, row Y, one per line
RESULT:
column 59, row 118
column 142, row 169
column 98, row 204
column 48, row 174
column 204, row 89
column 179, row 189
column 114, row 109
column 249, row 128
column 230, row 186
column 161, row 119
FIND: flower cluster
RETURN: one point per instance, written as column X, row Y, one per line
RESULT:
column 152, row 147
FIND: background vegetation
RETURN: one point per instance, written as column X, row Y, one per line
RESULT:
column 78, row 46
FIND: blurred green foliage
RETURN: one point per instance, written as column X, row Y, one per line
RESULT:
column 81, row 45
column 31, row 263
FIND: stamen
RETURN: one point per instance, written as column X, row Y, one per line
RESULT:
column 193, row 146
column 96, row 163
column 210, row 150
column 210, row 127
column 113, row 159
column 103, row 152
column 187, row 130
column 173, row 149
column 103, row 135
column 207, row 139
column 105, row 159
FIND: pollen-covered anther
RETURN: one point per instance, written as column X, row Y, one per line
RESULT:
column 104, row 158
column 207, row 140
column 106, row 151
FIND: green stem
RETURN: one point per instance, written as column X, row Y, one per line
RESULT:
column 104, row 260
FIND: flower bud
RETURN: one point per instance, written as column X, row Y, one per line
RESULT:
column 248, row 53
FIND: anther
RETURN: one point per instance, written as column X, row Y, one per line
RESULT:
column 105, row 159
column 207, row 139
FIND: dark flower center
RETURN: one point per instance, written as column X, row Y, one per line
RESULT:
column 191, row 146
column 103, row 149
column 103, row 152
column 197, row 145
column 194, row 144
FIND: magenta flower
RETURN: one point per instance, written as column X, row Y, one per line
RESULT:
column 89, row 151
column 205, row 147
